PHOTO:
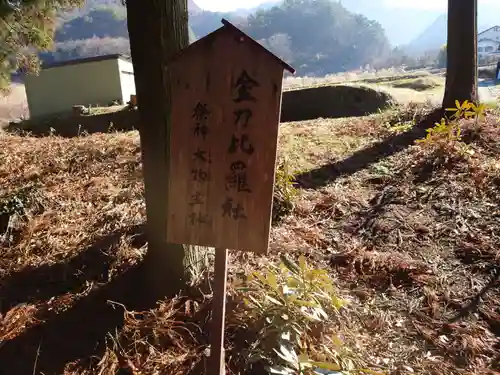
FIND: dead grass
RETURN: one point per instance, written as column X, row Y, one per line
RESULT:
column 307, row 144
column 373, row 76
column 419, row 84
column 405, row 88
column 412, row 242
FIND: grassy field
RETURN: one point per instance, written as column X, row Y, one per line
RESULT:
column 416, row 87
column 347, row 77
column 14, row 106
column 422, row 86
column 409, row 233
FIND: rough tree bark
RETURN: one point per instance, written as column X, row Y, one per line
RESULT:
column 157, row 30
column 461, row 72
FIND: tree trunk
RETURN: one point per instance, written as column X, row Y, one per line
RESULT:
column 461, row 72
column 157, row 30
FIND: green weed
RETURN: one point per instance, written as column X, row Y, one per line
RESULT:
column 284, row 191
column 291, row 306
column 447, row 132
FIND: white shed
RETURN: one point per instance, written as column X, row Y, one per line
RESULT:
column 96, row 81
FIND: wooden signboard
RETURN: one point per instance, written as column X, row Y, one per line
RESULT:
column 226, row 102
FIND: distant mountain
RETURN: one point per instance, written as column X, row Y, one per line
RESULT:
column 405, row 25
column 193, row 7
column 432, row 38
column 401, row 24
column 312, row 33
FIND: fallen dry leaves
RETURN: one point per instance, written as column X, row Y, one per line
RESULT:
column 412, row 242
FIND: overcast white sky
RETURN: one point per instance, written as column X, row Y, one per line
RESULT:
column 226, row 5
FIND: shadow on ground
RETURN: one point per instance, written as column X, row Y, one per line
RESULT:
column 41, row 283
column 362, row 159
column 332, row 101
column 80, row 331
column 474, row 304
column 74, row 125
column 297, row 105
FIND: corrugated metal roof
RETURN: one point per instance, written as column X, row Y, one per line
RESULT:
column 87, row 60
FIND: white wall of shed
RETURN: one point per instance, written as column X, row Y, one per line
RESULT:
column 56, row 90
column 126, row 79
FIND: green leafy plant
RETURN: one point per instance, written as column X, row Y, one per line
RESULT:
column 400, row 128
column 468, row 110
column 443, row 130
column 448, row 130
column 404, row 118
column 17, row 202
column 284, row 190
column 291, row 306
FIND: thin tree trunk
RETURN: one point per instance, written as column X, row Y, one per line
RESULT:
column 461, row 72
column 157, row 30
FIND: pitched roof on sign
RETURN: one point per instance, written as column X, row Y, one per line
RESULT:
column 228, row 26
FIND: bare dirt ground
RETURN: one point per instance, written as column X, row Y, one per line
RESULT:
column 410, row 233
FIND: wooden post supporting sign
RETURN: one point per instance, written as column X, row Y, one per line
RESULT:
column 217, row 363
column 226, row 103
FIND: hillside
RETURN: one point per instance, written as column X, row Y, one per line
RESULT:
column 325, row 39
column 399, row 239
column 193, row 8
column 401, row 24
column 98, row 28
column 432, row 38
column 414, row 23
